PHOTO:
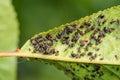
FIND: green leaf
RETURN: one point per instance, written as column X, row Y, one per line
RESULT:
column 73, row 46
column 8, row 39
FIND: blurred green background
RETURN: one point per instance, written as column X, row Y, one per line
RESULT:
column 41, row 15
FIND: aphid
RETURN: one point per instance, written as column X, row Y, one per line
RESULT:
column 95, row 31
column 67, row 70
column 93, row 36
column 101, row 58
column 93, row 27
column 74, row 25
column 56, row 53
column 117, row 69
column 92, row 58
column 112, row 21
column 100, row 73
column 59, row 36
column 86, row 78
column 49, row 37
column 97, row 49
column 74, row 55
column 105, row 29
column 98, row 41
column 104, row 21
column 66, row 37
column 36, row 47
column 67, row 42
column 87, row 23
column 93, row 75
column 80, row 32
column 55, row 39
column 82, row 26
column 33, row 42
column 101, row 34
column 37, row 40
column 99, row 22
column 82, row 43
column 69, row 29
column 79, row 50
column 52, row 51
column 111, row 29
column 86, row 48
column 45, row 52
column 90, row 53
column 116, row 56
column 96, row 67
column 87, row 30
column 90, row 43
column 101, row 16
column 98, row 29
column 40, row 36
column 74, row 39
column 74, row 78
column 118, row 21
column 82, row 54
column 71, row 45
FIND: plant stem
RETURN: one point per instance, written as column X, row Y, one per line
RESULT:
column 58, row 58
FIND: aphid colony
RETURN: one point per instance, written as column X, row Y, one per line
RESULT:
column 72, row 35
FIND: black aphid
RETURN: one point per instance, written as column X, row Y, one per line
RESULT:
column 52, row 51
column 116, row 56
column 56, row 53
column 66, row 37
column 69, row 29
column 87, row 30
column 92, row 36
column 40, row 36
column 93, row 75
column 90, row 43
column 112, row 21
column 96, row 67
column 80, row 32
column 104, row 21
column 87, row 23
column 111, row 29
column 99, row 22
column 101, row 16
column 118, row 21
column 82, row 43
column 82, row 54
column 87, row 48
column 74, row 78
column 97, row 49
column 49, row 37
column 75, row 38
column 105, row 29
column 74, row 55
column 79, row 50
column 82, row 26
column 95, row 31
column 101, row 58
column 90, row 53
column 59, row 36
column 72, row 45
column 33, row 42
column 117, row 69
column 74, row 25
column 100, row 73
column 93, row 27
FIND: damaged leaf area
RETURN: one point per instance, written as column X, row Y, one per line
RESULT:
column 75, row 46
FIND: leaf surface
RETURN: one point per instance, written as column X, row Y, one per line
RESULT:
column 86, row 49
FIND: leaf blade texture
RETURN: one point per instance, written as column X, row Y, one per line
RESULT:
column 93, row 39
